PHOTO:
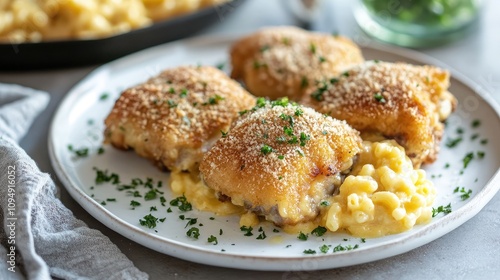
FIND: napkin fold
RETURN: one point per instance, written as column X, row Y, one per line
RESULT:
column 40, row 237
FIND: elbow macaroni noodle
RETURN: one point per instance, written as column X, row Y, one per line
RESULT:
column 37, row 20
column 383, row 195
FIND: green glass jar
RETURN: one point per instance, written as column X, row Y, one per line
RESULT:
column 417, row 23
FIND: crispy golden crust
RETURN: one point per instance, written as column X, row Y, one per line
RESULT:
column 396, row 100
column 176, row 116
column 284, row 61
column 288, row 183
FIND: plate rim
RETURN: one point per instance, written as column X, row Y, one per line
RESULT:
column 200, row 255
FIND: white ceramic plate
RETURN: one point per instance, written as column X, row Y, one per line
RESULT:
column 79, row 122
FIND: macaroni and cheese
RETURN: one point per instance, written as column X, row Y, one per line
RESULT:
column 383, row 195
column 37, row 20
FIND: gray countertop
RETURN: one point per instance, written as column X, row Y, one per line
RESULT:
column 471, row 251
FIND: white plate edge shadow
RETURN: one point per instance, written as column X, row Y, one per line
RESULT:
column 196, row 254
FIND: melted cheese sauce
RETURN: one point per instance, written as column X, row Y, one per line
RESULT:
column 200, row 196
column 382, row 195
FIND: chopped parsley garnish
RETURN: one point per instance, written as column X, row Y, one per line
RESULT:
column 309, row 252
column 465, row 194
column 148, row 221
column 324, row 203
column 191, row 221
column 265, row 150
column 484, row 142
column 447, row 165
column 111, row 199
column 283, row 102
column 281, row 157
column 261, row 236
column 476, row 123
column 301, row 153
column 261, row 102
column 224, row 134
column 313, row 48
column 212, row 239
column 474, row 136
column 322, row 59
column 83, row 152
column 333, row 81
column 275, row 230
column 169, row 210
column 288, row 130
column 247, row 230
column 220, row 65
column 324, row 249
column 363, row 240
column 450, row 143
column 340, row 248
column 345, row 74
column 303, row 138
column 299, row 112
column 318, row 93
column 193, row 232
column 319, row 231
column 184, row 92
column 304, row 82
column 460, row 130
column 104, row 96
column 467, row 159
column 379, row 97
column 214, row 100
column 480, row 154
column 103, row 177
column 150, row 195
column 182, row 203
column 220, row 231
column 441, row 209
column 302, row 236
column 134, row 203
column 100, row 151
column 103, row 203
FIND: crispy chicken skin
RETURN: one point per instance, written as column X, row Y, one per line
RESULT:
column 281, row 161
column 175, row 117
column 284, row 61
column 399, row 101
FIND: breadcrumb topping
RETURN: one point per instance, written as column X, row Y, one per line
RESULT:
column 183, row 107
column 284, row 61
column 397, row 100
column 277, row 152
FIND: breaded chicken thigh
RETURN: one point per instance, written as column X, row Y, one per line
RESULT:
column 284, row 61
column 397, row 101
column 281, row 161
column 175, row 117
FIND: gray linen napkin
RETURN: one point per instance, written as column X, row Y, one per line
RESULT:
column 40, row 237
